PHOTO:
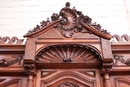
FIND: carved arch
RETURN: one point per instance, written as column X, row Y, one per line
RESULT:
column 68, row 53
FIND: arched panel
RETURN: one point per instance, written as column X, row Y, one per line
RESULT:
column 68, row 54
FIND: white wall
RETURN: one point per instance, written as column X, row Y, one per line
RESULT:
column 19, row 16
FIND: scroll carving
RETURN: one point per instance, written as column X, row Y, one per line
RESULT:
column 72, row 21
column 13, row 40
column 67, row 84
column 38, row 27
column 68, row 54
column 121, row 59
column 123, row 38
column 4, row 62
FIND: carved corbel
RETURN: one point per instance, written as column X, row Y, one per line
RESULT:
column 106, row 67
column 29, row 66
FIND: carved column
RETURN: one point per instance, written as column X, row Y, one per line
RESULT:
column 106, row 79
column 30, row 81
column 29, row 66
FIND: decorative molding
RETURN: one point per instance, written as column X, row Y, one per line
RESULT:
column 68, row 54
column 13, row 40
column 123, row 38
column 121, row 59
column 5, row 62
column 67, row 84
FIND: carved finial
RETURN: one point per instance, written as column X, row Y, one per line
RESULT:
column 67, row 4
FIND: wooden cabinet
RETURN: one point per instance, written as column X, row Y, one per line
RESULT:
column 68, row 51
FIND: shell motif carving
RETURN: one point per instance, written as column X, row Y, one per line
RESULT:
column 69, row 18
column 68, row 54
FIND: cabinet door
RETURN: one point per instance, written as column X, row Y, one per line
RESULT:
column 120, row 81
column 12, row 81
column 68, row 78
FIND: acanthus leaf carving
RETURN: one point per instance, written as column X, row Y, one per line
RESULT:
column 5, row 62
column 121, row 59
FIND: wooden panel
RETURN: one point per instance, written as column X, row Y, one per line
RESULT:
column 13, row 81
column 71, row 77
column 120, row 81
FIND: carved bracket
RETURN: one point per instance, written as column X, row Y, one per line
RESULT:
column 107, row 66
column 29, row 66
column 4, row 62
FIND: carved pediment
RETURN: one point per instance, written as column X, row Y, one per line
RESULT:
column 68, row 22
column 68, row 54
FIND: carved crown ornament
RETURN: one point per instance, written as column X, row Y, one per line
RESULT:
column 68, row 54
column 68, row 22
